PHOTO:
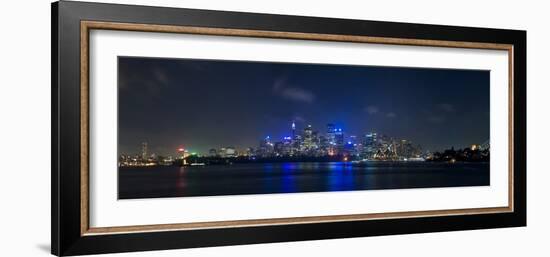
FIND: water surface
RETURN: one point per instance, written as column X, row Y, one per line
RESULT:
column 267, row 178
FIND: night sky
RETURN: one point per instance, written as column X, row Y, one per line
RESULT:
column 203, row 104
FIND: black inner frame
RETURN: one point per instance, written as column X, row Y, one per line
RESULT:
column 65, row 166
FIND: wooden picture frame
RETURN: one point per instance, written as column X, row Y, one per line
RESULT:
column 71, row 25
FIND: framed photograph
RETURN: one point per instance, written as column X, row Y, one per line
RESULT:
column 178, row 128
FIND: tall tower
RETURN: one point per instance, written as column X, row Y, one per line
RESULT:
column 339, row 138
column 293, row 139
column 308, row 137
column 331, row 139
column 330, row 134
column 144, row 150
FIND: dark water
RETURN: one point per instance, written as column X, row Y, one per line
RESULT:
column 266, row 178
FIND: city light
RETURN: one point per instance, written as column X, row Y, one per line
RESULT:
column 311, row 145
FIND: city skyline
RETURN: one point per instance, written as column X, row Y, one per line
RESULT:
column 202, row 104
column 296, row 133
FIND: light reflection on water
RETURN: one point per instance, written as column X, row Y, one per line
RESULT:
column 288, row 183
column 262, row 178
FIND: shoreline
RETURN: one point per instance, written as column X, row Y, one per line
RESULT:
column 348, row 163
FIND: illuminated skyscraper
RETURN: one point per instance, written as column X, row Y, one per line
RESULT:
column 144, row 150
column 286, row 148
column 266, row 147
column 222, row 151
column 339, row 139
column 331, row 134
column 308, row 132
column 230, row 151
column 370, row 144
column 331, row 139
column 370, row 139
column 352, row 146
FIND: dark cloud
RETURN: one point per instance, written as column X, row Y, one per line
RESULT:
column 279, row 84
column 372, row 109
column 446, row 107
column 291, row 93
column 298, row 95
column 298, row 118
